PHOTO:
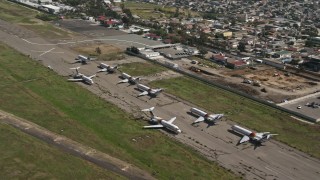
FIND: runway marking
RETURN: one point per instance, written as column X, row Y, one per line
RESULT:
column 278, row 172
column 271, row 170
column 46, row 52
column 296, row 159
column 75, row 42
column 125, row 168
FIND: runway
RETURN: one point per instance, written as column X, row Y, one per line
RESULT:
column 273, row 161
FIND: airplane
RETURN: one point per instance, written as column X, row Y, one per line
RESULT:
column 253, row 136
column 212, row 118
column 154, row 119
column 78, row 75
column 163, row 123
column 107, row 68
column 146, row 90
column 83, row 59
column 81, row 77
column 127, row 78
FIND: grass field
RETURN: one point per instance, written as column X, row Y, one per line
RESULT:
column 25, row 157
column 141, row 69
column 246, row 112
column 50, row 101
column 23, row 16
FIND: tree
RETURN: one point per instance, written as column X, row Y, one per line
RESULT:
column 128, row 13
column 133, row 49
column 140, row 32
column 189, row 15
column 122, row 6
column 241, row 47
column 202, row 52
column 98, row 50
column 176, row 14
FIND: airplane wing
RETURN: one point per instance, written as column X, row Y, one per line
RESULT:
column 143, row 93
column 153, row 126
column 149, row 110
column 124, row 81
column 75, row 80
column 200, row 119
column 244, row 139
column 92, row 76
column 102, row 70
column 171, row 120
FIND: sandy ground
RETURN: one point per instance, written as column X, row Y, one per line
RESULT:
column 218, row 143
column 279, row 86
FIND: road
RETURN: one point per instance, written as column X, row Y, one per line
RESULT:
column 273, row 161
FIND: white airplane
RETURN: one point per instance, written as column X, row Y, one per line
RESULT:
column 78, row 75
column 163, row 123
column 130, row 79
column 212, row 118
column 83, row 59
column 154, row 119
column 81, row 77
column 146, row 90
column 107, row 68
column 254, row 136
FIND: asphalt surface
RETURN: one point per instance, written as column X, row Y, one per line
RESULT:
column 303, row 101
column 272, row 161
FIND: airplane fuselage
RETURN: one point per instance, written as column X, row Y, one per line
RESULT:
column 206, row 116
column 151, row 92
column 171, row 127
column 125, row 76
column 132, row 80
column 254, row 136
column 242, row 130
column 87, row 80
column 154, row 92
column 104, row 66
column 83, row 59
column 143, row 87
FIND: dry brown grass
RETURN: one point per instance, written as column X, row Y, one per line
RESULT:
column 91, row 49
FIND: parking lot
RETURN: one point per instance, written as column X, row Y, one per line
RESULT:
column 307, row 104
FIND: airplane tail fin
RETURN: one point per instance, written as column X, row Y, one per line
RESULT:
column 270, row 135
column 220, row 116
column 76, row 68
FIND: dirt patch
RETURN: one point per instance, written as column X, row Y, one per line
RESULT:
column 103, row 52
column 276, row 79
column 91, row 49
